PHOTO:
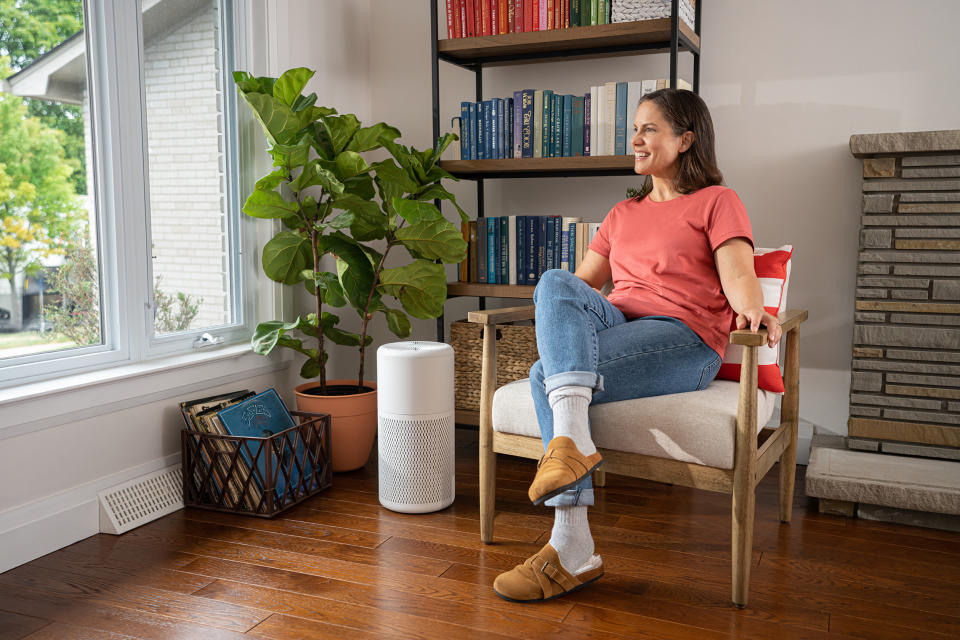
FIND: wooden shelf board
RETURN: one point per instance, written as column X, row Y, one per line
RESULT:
column 537, row 167
column 649, row 36
column 490, row 290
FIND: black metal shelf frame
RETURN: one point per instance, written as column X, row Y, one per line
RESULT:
column 677, row 41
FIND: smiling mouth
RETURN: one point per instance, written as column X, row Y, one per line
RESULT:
column 640, row 155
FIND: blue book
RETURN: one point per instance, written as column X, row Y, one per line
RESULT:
column 502, row 127
column 517, row 120
column 526, row 123
column 490, row 122
column 541, row 245
column 482, row 132
column 576, row 126
column 464, row 130
column 567, row 126
column 549, row 246
column 481, row 249
column 546, row 127
column 260, row 417
column 620, row 133
column 572, row 237
column 587, row 114
column 533, row 225
column 473, row 131
column 493, row 227
column 521, row 223
column 504, row 250
column 557, row 223
column 556, row 138
column 508, row 129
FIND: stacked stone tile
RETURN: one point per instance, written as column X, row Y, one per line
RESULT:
column 906, row 344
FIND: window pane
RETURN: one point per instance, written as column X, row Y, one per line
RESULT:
column 49, row 273
column 189, row 221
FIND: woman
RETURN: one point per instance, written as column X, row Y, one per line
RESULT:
column 681, row 261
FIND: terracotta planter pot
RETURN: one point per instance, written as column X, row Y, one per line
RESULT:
column 353, row 421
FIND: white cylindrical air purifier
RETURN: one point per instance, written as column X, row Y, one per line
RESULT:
column 415, row 431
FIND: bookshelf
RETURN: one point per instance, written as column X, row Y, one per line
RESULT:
column 667, row 35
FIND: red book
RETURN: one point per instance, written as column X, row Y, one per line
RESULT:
column 450, row 19
column 494, row 17
column 462, row 14
column 551, row 10
column 517, row 16
column 505, row 16
column 565, row 14
column 486, row 20
column 477, row 12
column 536, row 15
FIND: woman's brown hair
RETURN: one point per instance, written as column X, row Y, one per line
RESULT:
column 686, row 111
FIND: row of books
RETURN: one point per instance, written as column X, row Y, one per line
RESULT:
column 541, row 123
column 231, row 462
column 470, row 18
column 519, row 249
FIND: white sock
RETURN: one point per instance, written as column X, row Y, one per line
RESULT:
column 571, row 537
column 570, row 406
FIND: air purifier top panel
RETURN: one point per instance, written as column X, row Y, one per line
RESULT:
column 414, row 378
column 416, row 349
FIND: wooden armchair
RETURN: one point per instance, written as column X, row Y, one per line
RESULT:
column 730, row 453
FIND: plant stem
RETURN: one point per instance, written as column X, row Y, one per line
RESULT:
column 366, row 314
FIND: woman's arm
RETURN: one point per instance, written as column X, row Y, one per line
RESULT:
column 734, row 259
column 594, row 270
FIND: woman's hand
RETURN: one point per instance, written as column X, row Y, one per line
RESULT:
column 757, row 316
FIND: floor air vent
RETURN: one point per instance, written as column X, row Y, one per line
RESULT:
column 137, row 502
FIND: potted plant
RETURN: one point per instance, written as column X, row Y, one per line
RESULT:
column 331, row 201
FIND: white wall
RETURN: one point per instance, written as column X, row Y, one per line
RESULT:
column 787, row 83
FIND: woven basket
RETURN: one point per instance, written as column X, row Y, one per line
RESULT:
column 516, row 353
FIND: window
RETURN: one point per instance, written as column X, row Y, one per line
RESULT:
column 125, row 243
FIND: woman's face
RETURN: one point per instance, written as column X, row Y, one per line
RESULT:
column 655, row 147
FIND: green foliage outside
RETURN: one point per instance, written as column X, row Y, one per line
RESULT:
column 77, row 313
column 173, row 312
column 332, row 202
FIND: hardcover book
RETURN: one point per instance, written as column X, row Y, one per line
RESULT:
column 517, row 111
column 512, row 249
column 576, row 126
column 503, row 246
column 526, row 123
column 538, row 123
column 567, row 127
column 481, row 250
column 521, row 250
column 493, row 253
column 547, row 124
column 620, row 134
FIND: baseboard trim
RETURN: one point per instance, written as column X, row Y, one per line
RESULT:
column 40, row 527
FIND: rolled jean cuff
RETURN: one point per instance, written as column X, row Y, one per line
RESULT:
column 572, row 498
column 575, row 378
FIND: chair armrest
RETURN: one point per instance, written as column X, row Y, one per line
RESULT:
column 501, row 316
column 789, row 320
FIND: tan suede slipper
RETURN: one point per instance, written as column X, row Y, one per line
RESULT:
column 542, row 577
column 561, row 467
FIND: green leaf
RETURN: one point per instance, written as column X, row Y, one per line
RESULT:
column 415, row 212
column 434, row 240
column 271, row 181
column 361, row 186
column 268, row 204
column 248, row 84
column 338, row 336
column 392, row 181
column 353, row 268
column 421, row 287
column 331, row 292
column 398, row 322
column 442, row 144
column 285, row 256
column 368, row 223
column 437, row 192
column 302, row 102
column 341, row 129
column 291, row 156
column 279, row 122
column 314, row 174
column 311, row 368
column 369, row 138
column 350, row 164
column 341, row 221
column 268, row 333
column 290, row 84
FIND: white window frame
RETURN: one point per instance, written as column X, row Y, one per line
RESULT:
column 116, row 82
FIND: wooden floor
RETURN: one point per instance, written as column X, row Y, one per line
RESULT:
column 340, row 566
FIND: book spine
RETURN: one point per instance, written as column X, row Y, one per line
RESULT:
column 551, row 14
column 464, row 130
column 511, row 248
column 604, row 17
column 549, row 246
column 594, row 10
column 647, row 86
column 576, row 126
column 634, row 91
column 610, row 118
column 528, row 15
column 494, row 17
column 517, row 118
column 474, row 155
column 543, row 15
column 464, row 274
column 600, row 104
column 488, row 130
column 565, row 248
column 557, row 124
column 532, row 224
column 496, row 128
column 504, row 16
column 536, row 15
column 587, row 119
column 557, row 223
column 567, row 126
column 503, row 246
column 508, row 131
column 620, row 143
column 546, row 124
column 451, row 30
column 538, row 123
column 481, row 250
column 526, row 123
column 584, row 13
column 486, row 7
column 541, row 246
column 472, row 251
column 517, row 16
column 592, row 228
column 574, row 13
column 581, row 241
column 520, row 253
column 493, row 250
column 462, row 15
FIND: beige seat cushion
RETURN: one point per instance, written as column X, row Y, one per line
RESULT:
column 697, row 426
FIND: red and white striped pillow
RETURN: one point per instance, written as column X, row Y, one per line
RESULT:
column 773, row 271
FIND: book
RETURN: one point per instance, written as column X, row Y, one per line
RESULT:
column 533, row 225
column 587, row 124
column 508, row 128
column 481, row 250
column 482, row 132
column 230, row 467
column 462, row 17
column 594, row 11
column 549, row 248
column 463, row 273
column 541, row 245
column 610, row 118
column 517, row 124
column 262, row 416
column 526, row 124
column 567, row 127
column 527, row 15
column 543, row 15
column 647, row 86
column 581, row 242
column 520, row 255
column 494, row 17
column 620, row 118
column 556, row 119
column 577, row 120
column 574, row 13
column 599, row 106
column 212, row 467
column 565, row 240
column 551, row 14
column 546, row 124
column 503, row 246
column 492, row 253
column 538, row 123
column 572, row 250
column 486, row 25
column 451, row 13
column 493, row 148
column 634, row 93
column 512, row 249
column 472, row 252
column 465, row 130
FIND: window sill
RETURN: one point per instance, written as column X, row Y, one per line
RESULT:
column 49, row 403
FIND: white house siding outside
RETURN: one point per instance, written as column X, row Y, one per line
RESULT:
column 184, row 133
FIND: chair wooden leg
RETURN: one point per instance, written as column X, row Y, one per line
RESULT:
column 744, row 502
column 790, row 414
column 599, row 478
column 488, row 457
column 488, row 494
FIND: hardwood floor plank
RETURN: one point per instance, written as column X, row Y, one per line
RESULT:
column 869, row 629
column 60, row 631
column 102, row 589
column 280, row 627
column 14, row 626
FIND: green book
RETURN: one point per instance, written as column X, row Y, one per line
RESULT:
column 547, row 124
column 574, row 13
column 594, row 11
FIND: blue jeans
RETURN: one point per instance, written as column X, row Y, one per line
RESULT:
column 584, row 340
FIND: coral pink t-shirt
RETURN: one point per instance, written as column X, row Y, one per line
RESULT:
column 661, row 258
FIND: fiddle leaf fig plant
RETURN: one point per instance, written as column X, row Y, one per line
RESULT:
column 332, row 201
